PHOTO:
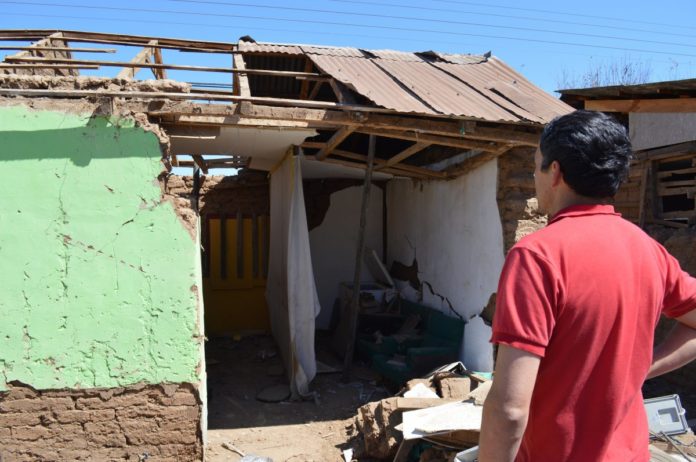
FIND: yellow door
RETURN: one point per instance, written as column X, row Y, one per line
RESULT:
column 235, row 259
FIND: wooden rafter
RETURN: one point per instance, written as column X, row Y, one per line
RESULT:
column 475, row 162
column 335, row 141
column 145, row 56
column 241, row 80
column 403, row 155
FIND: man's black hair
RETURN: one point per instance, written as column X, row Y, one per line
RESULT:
column 593, row 150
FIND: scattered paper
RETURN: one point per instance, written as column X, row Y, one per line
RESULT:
column 441, row 419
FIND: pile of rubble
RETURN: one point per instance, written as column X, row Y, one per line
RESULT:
column 388, row 429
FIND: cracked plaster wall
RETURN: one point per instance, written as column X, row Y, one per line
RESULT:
column 98, row 272
column 453, row 230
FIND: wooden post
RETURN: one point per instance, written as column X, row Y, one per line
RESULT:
column 355, row 300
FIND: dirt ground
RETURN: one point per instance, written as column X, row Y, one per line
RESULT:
column 316, row 430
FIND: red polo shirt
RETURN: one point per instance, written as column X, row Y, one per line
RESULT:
column 585, row 294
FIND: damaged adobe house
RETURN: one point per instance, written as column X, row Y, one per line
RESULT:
column 108, row 298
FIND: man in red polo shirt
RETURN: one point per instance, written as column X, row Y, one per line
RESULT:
column 577, row 306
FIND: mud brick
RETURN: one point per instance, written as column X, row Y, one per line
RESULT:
column 19, row 419
column 113, row 403
column 84, row 416
column 108, row 434
column 34, row 405
column 32, row 433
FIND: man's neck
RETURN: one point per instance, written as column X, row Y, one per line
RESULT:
column 570, row 198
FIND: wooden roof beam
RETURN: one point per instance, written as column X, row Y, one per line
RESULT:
column 241, row 79
column 145, row 56
column 403, row 155
column 335, row 141
column 56, row 48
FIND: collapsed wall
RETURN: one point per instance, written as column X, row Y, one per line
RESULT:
column 100, row 338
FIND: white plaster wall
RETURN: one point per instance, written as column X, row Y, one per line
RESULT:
column 453, row 229
column 333, row 244
column 648, row 130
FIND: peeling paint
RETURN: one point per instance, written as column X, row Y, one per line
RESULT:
column 97, row 267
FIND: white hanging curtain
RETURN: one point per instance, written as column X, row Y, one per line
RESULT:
column 291, row 293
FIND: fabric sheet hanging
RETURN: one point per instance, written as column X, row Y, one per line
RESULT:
column 291, row 292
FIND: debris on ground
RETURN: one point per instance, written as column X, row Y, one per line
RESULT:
column 381, row 425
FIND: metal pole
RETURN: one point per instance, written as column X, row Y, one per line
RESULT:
column 355, row 300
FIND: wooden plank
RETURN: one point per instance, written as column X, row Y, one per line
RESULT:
column 56, row 48
column 401, row 123
column 143, row 57
column 47, row 66
column 680, row 214
column 335, row 140
column 689, row 191
column 405, row 154
column 134, row 40
column 184, row 96
column 680, row 171
column 433, row 139
column 165, row 66
column 642, row 105
column 160, row 73
column 241, row 79
column 669, row 184
column 677, row 150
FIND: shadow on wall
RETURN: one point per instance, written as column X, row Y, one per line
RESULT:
column 79, row 144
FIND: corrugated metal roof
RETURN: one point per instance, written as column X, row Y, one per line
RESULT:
column 430, row 82
column 459, row 58
column 333, row 51
column 392, row 55
column 367, row 79
column 255, row 47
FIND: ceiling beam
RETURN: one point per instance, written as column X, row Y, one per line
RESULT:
column 335, row 141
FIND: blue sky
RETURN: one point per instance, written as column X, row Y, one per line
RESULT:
column 549, row 42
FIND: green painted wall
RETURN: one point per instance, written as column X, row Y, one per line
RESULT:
column 96, row 271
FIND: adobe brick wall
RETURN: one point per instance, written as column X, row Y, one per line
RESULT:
column 516, row 196
column 157, row 422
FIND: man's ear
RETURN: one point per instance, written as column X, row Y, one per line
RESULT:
column 556, row 173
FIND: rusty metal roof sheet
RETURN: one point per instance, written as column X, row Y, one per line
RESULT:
column 275, row 48
column 366, row 78
column 333, row 51
column 392, row 55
